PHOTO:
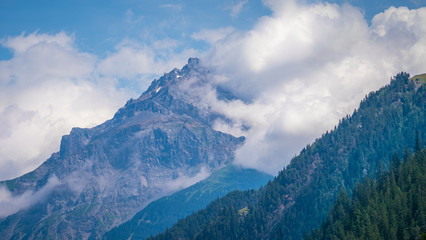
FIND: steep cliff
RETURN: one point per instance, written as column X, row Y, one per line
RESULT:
column 153, row 146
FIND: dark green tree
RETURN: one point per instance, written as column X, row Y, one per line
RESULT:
column 300, row 197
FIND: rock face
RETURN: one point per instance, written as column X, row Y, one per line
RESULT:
column 152, row 147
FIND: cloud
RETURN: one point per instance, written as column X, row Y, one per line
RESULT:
column 46, row 88
column 22, row 43
column 138, row 64
column 174, row 7
column 117, row 64
column 213, row 35
column 184, row 181
column 302, row 68
column 296, row 73
column 236, row 9
column 164, row 44
column 50, row 86
column 130, row 17
column 10, row 204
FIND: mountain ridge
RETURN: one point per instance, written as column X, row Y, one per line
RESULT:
column 101, row 176
column 299, row 198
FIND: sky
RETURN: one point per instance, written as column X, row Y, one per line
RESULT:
column 297, row 66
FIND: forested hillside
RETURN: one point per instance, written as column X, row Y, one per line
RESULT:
column 299, row 198
column 394, row 207
column 166, row 211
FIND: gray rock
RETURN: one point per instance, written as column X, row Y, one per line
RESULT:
column 152, row 147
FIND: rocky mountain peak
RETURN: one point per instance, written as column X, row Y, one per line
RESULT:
column 153, row 146
column 165, row 96
column 192, row 69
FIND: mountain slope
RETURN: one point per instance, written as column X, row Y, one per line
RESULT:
column 163, row 213
column 394, row 207
column 153, row 146
column 300, row 197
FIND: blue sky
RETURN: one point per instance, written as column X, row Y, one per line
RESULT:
column 100, row 25
column 301, row 65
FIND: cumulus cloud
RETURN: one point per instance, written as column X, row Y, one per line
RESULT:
column 46, row 88
column 302, row 68
column 132, row 59
column 296, row 72
column 10, row 204
column 50, row 86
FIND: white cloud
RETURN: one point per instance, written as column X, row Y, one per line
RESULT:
column 22, row 43
column 130, row 18
column 164, row 44
column 10, row 204
column 184, row 181
column 50, row 86
column 303, row 68
column 236, row 9
column 213, row 35
column 46, row 88
column 175, row 7
column 298, row 71
column 118, row 63
column 132, row 59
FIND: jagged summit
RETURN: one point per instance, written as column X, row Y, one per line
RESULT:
column 163, row 96
column 191, row 69
column 153, row 146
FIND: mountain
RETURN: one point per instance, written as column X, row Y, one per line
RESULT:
column 300, row 197
column 163, row 213
column 394, row 207
column 154, row 146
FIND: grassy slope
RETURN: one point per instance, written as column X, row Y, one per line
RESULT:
column 420, row 77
